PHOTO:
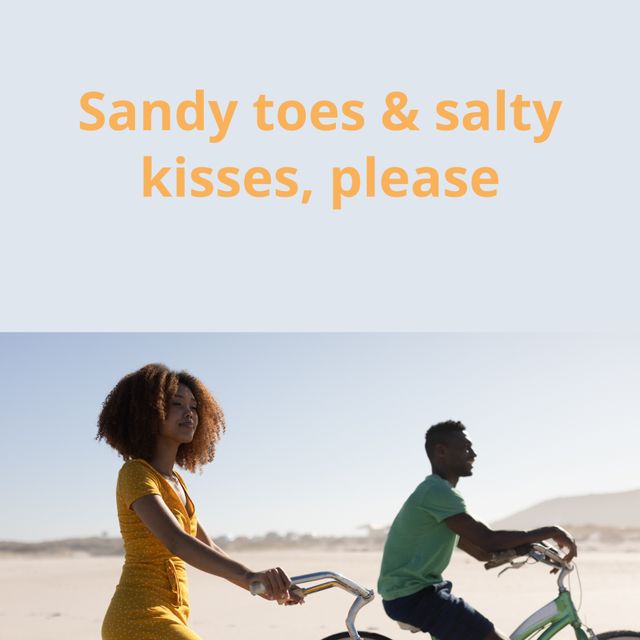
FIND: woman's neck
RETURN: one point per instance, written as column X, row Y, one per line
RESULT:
column 164, row 457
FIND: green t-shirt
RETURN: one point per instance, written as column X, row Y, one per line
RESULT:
column 420, row 544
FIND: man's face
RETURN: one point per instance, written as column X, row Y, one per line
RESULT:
column 458, row 455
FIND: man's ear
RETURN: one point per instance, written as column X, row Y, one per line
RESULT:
column 439, row 451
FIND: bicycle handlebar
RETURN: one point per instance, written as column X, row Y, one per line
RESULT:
column 363, row 596
column 335, row 580
column 537, row 551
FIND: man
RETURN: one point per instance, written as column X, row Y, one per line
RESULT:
column 422, row 538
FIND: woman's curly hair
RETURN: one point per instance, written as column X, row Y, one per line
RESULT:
column 136, row 407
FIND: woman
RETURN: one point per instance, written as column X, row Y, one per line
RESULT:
column 156, row 418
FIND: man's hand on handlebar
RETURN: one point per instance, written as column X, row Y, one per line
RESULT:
column 565, row 541
column 538, row 551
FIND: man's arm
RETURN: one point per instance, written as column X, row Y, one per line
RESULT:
column 473, row 550
column 487, row 540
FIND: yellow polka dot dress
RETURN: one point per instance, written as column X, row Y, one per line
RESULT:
column 151, row 601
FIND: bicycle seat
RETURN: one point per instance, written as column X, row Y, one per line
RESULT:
column 409, row 627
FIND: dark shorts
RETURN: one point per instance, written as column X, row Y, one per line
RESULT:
column 437, row 611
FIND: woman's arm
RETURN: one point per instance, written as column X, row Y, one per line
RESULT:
column 157, row 517
column 204, row 537
column 295, row 595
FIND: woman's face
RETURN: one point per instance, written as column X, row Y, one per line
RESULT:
column 182, row 416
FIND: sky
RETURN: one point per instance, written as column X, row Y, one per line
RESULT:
column 325, row 432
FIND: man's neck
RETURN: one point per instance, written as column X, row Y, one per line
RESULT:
column 450, row 478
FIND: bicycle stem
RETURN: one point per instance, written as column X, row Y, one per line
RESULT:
column 564, row 572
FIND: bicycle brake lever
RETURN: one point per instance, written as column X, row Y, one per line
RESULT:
column 513, row 565
column 297, row 591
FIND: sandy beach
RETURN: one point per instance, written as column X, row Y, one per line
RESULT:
column 65, row 597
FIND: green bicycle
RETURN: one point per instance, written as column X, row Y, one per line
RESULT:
column 543, row 624
column 560, row 612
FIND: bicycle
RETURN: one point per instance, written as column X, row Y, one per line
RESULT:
column 546, row 621
column 560, row 612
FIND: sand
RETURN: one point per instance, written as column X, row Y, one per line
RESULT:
column 65, row 598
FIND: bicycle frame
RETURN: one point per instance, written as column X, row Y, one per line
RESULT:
column 556, row 615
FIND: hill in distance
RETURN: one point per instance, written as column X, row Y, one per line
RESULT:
column 608, row 510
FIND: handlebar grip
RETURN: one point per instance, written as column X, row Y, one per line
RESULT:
column 257, row 588
column 523, row 549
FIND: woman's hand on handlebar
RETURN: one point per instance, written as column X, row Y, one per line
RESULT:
column 296, row 596
column 275, row 586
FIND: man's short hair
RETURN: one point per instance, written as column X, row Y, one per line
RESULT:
column 441, row 433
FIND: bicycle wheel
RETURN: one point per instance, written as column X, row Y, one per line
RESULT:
column 368, row 635
column 618, row 635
